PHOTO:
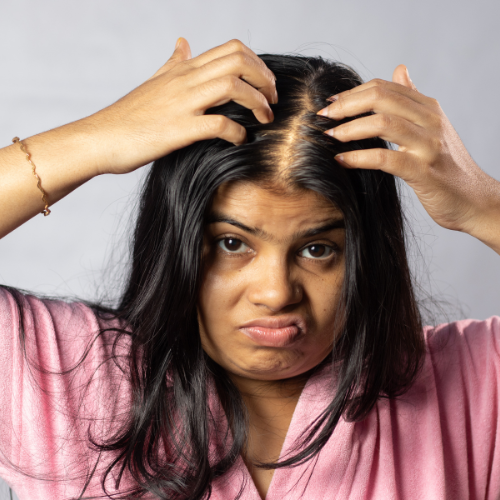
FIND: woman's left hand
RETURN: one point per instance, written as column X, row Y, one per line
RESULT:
column 431, row 158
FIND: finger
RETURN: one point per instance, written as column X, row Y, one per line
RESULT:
column 388, row 127
column 404, row 165
column 230, row 88
column 219, row 126
column 401, row 76
column 223, row 50
column 380, row 99
column 236, row 46
column 182, row 52
column 396, row 87
column 240, row 65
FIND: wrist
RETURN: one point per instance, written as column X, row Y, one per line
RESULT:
column 64, row 158
column 115, row 147
column 485, row 225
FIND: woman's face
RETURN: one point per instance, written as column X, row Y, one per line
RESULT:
column 273, row 271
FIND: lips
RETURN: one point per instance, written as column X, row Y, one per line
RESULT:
column 279, row 331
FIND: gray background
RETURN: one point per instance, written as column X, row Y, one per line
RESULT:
column 61, row 60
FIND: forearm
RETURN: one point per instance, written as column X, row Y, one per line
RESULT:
column 164, row 114
column 65, row 158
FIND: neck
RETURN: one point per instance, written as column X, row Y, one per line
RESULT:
column 270, row 402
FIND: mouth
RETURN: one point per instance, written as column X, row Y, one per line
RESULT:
column 279, row 331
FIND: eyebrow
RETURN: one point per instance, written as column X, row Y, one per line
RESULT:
column 336, row 223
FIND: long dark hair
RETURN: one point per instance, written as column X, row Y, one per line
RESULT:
column 164, row 443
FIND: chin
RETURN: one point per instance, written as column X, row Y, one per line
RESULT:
column 273, row 368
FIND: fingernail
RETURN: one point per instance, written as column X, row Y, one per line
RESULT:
column 244, row 141
column 333, row 98
column 323, row 112
column 408, row 74
column 178, row 42
column 340, row 159
column 330, row 132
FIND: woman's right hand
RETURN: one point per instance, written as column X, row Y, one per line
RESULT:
column 166, row 112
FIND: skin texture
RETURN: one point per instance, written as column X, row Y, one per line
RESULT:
column 271, row 273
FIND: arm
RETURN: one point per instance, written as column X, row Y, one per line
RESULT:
column 163, row 114
column 64, row 160
column 431, row 158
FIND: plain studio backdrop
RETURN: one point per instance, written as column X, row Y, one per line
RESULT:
column 62, row 60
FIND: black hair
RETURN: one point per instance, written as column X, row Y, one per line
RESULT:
column 164, row 442
column 380, row 349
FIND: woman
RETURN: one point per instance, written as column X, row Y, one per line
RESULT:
column 268, row 342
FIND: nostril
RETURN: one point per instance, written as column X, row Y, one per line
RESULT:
column 276, row 295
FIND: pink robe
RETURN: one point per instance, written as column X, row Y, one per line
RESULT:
column 438, row 441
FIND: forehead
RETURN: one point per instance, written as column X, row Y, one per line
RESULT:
column 277, row 211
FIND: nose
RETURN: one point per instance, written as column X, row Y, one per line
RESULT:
column 272, row 284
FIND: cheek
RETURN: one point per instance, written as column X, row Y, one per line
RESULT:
column 325, row 301
column 219, row 291
column 220, row 294
column 327, row 294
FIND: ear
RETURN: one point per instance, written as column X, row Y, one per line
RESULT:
column 402, row 77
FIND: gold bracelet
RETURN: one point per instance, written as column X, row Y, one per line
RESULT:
column 46, row 210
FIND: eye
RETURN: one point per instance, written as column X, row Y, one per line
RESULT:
column 232, row 245
column 317, row 251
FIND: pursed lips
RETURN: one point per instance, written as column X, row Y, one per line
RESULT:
column 277, row 331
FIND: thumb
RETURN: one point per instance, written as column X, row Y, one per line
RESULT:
column 182, row 52
column 402, row 77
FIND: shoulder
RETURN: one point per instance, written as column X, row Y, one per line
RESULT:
column 64, row 378
column 53, row 325
column 463, row 328
column 18, row 305
column 462, row 366
column 468, row 342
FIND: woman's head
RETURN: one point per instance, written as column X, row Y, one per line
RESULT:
column 273, row 228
